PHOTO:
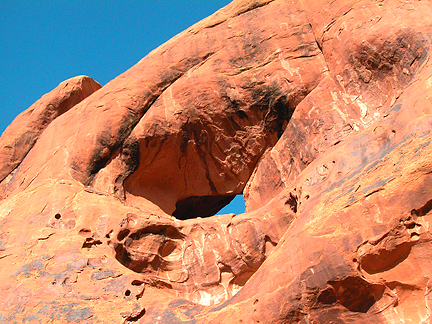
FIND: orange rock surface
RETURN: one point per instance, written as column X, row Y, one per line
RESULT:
column 318, row 111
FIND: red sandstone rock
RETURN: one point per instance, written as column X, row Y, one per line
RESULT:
column 319, row 110
column 22, row 134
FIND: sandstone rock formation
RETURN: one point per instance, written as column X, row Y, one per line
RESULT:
column 318, row 111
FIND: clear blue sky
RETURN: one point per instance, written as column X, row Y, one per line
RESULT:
column 43, row 43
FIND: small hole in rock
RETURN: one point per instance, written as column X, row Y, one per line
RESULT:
column 410, row 225
column 136, row 283
column 84, row 232
column 108, row 235
column 57, row 216
column 90, row 242
column 292, row 203
column 122, row 234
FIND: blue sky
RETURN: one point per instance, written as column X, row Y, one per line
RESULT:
column 43, row 43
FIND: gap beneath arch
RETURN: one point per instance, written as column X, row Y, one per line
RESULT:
column 207, row 206
column 236, row 206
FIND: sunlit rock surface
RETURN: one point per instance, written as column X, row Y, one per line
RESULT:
column 318, row 111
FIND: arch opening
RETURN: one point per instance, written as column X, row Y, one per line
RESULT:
column 207, row 206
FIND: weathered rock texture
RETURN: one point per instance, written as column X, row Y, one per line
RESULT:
column 319, row 111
